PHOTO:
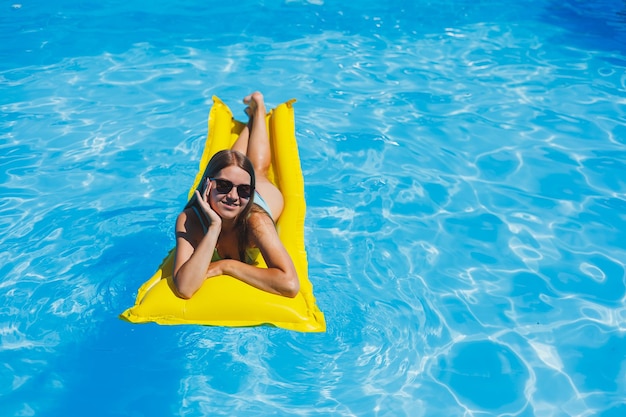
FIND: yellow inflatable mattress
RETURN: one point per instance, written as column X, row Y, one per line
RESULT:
column 224, row 300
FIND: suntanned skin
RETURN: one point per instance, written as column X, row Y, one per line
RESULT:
column 194, row 249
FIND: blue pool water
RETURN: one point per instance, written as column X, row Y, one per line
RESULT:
column 465, row 174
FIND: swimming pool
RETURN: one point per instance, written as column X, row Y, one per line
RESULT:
column 464, row 165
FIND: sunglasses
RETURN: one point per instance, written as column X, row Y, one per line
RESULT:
column 224, row 187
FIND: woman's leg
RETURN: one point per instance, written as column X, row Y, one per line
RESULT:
column 256, row 139
column 241, row 144
column 257, row 148
column 258, row 143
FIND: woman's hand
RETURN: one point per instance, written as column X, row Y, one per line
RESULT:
column 203, row 201
column 216, row 268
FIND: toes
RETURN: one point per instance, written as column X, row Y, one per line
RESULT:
column 255, row 97
column 254, row 102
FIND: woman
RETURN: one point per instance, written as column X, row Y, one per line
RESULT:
column 231, row 214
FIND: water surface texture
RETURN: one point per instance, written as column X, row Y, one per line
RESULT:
column 465, row 174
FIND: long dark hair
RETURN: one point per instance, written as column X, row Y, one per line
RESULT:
column 218, row 162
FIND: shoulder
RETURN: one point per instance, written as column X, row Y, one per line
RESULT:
column 184, row 219
column 260, row 222
column 188, row 225
column 261, row 228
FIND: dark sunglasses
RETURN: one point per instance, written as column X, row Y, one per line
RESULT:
column 224, row 187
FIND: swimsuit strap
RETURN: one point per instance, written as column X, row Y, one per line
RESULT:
column 260, row 201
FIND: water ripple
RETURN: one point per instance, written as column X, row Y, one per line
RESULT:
column 463, row 165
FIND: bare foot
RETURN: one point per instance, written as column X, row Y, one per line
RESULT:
column 255, row 103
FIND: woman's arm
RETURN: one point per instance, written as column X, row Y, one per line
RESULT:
column 280, row 276
column 192, row 260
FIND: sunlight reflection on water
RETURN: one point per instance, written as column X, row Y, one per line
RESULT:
column 465, row 195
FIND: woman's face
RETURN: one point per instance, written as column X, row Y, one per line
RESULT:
column 226, row 201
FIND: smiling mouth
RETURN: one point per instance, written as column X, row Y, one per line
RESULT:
column 230, row 203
